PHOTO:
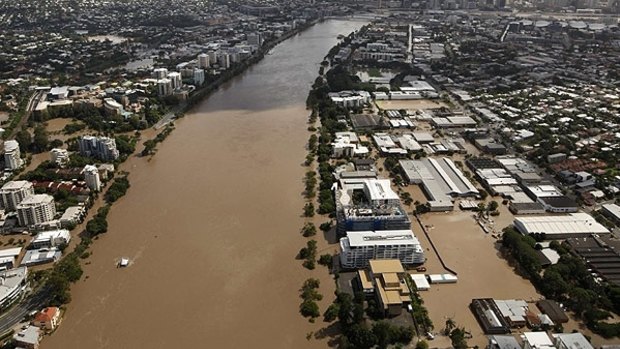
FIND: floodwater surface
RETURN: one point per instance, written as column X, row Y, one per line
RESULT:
column 211, row 223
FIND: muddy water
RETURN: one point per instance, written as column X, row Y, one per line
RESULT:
column 211, row 223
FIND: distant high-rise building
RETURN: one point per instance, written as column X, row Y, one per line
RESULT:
column 91, row 177
column 14, row 192
column 164, row 87
column 160, row 73
column 199, row 77
column 204, row 61
column 102, row 148
column 212, row 57
column 223, row 59
column 60, row 157
column 176, row 80
column 12, row 155
column 36, row 209
column 255, row 39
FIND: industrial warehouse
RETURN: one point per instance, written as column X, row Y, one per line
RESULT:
column 556, row 227
column 440, row 179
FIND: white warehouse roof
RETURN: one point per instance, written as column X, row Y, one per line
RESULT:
column 573, row 223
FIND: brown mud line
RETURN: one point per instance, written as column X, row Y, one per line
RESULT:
column 211, row 223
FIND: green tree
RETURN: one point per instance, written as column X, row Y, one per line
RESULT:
column 308, row 210
column 24, row 139
column 361, row 337
column 309, row 308
column 40, row 141
column 331, row 313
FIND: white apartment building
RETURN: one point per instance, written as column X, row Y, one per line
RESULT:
column 176, row 80
column 102, row 148
column 160, row 73
column 212, row 57
column 12, row 155
column 91, row 177
column 358, row 247
column 35, row 210
column 223, row 59
column 199, row 77
column 59, row 156
column 14, row 192
column 255, row 39
column 164, row 87
column 204, row 61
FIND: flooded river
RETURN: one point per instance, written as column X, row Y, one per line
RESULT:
column 211, row 223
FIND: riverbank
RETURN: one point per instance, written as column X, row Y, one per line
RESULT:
column 212, row 222
column 201, row 93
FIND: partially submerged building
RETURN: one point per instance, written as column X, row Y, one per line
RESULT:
column 386, row 279
column 367, row 204
column 440, row 179
column 359, row 247
column 556, row 227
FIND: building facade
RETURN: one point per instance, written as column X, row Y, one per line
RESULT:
column 12, row 155
column 35, row 210
column 204, row 61
column 358, row 247
column 14, row 192
column 91, row 177
column 102, row 148
column 59, row 156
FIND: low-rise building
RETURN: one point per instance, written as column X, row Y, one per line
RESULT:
column 571, row 341
column 8, row 257
column 537, row 340
column 503, row 342
column 47, row 319
column 611, row 211
column 41, row 256
column 27, row 338
column 556, row 227
column 51, row 238
column 72, row 216
column 388, row 280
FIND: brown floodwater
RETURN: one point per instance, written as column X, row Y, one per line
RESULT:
column 211, row 223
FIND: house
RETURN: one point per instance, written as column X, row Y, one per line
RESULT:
column 28, row 338
column 47, row 319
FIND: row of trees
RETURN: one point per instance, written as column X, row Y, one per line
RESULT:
column 117, row 189
column 309, row 294
column 349, row 311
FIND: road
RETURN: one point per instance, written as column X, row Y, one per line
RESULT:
column 30, row 107
column 166, row 119
column 16, row 314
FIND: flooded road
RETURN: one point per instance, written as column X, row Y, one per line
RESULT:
column 211, row 223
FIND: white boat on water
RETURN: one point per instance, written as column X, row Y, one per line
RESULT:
column 123, row 262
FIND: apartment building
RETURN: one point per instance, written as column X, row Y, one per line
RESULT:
column 14, row 192
column 358, row 247
column 36, row 209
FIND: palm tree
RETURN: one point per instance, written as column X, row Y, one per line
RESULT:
column 450, row 325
